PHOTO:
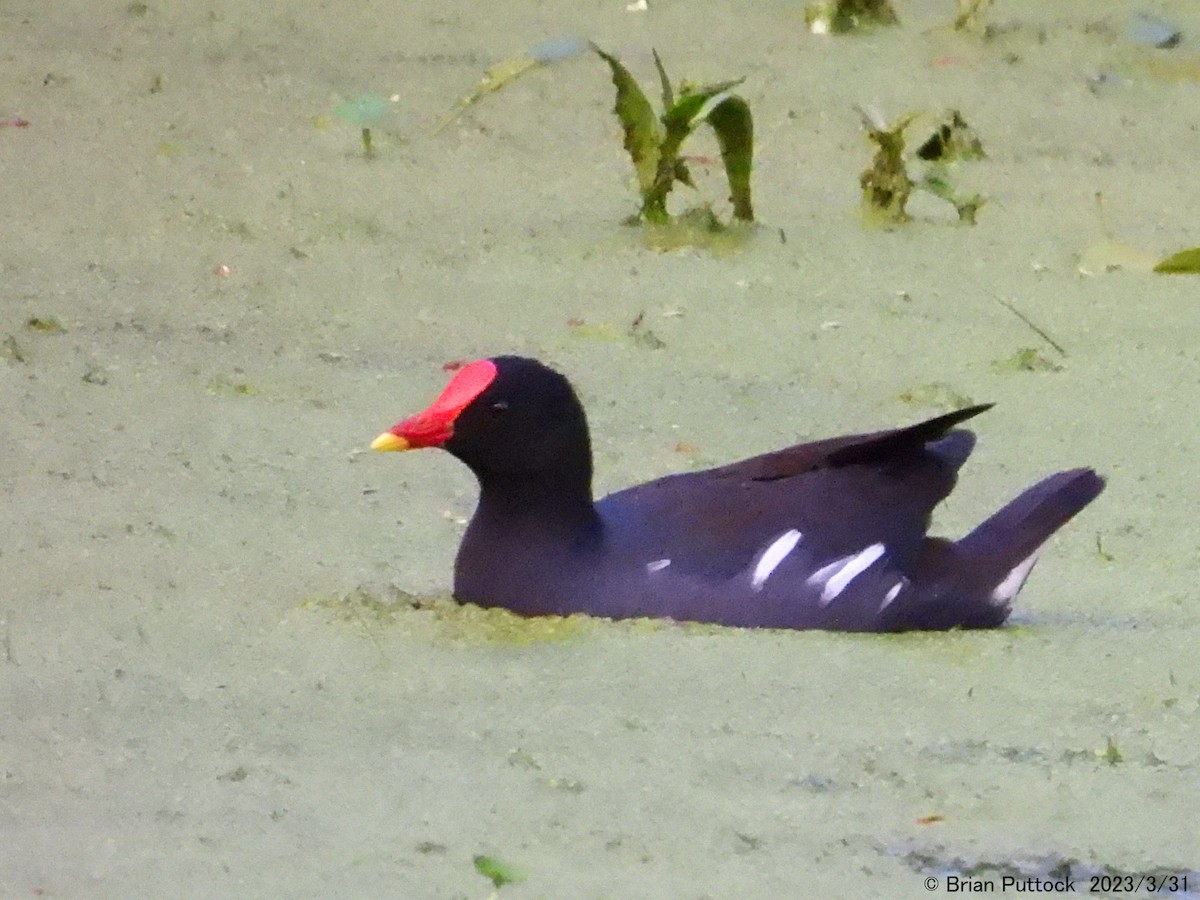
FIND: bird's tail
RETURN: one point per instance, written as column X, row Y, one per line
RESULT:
column 999, row 554
column 971, row 583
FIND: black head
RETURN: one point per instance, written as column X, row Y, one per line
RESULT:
column 509, row 418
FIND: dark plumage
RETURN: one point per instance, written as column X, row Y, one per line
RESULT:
column 829, row 534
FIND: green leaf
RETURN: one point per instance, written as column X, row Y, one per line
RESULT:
column 731, row 120
column 501, row 873
column 1185, row 262
column 691, row 102
column 680, row 120
column 968, row 206
column 1112, row 753
column 643, row 134
column 683, row 174
column 668, row 95
column 45, row 324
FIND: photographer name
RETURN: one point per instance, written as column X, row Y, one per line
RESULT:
column 1031, row 885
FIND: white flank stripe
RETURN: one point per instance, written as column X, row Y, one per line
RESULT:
column 773, row 556
column 658, row 565
column 1013, row 581
column 848, row 571
column 822, row 574
column 891, row 595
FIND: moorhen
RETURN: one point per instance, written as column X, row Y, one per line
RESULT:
column 829, row 534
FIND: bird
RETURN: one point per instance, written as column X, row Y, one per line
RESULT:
column 831, row 534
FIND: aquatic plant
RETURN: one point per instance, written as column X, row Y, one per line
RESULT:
column 971, row 17
column 886, row 184
column 848, row 16
column 497, row 871
column 654, row 141
column 362, row 112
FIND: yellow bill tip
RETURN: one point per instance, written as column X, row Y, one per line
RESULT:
column 388, row 441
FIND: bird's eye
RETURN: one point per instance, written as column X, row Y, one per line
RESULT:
column 500, row 406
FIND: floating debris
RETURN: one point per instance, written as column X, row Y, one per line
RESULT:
column 93, row 374
column 505, row 72
column 1185, row 262
column 500, row 872
column 1151, row 31
column 12, row 351
column 936, row 394
column 557, row 49
column 45, row 324
column 971, row 15
column 849, row 16
column 1026, row 359
column 643, row 336
column 1036, row 329
column 1114, row 256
